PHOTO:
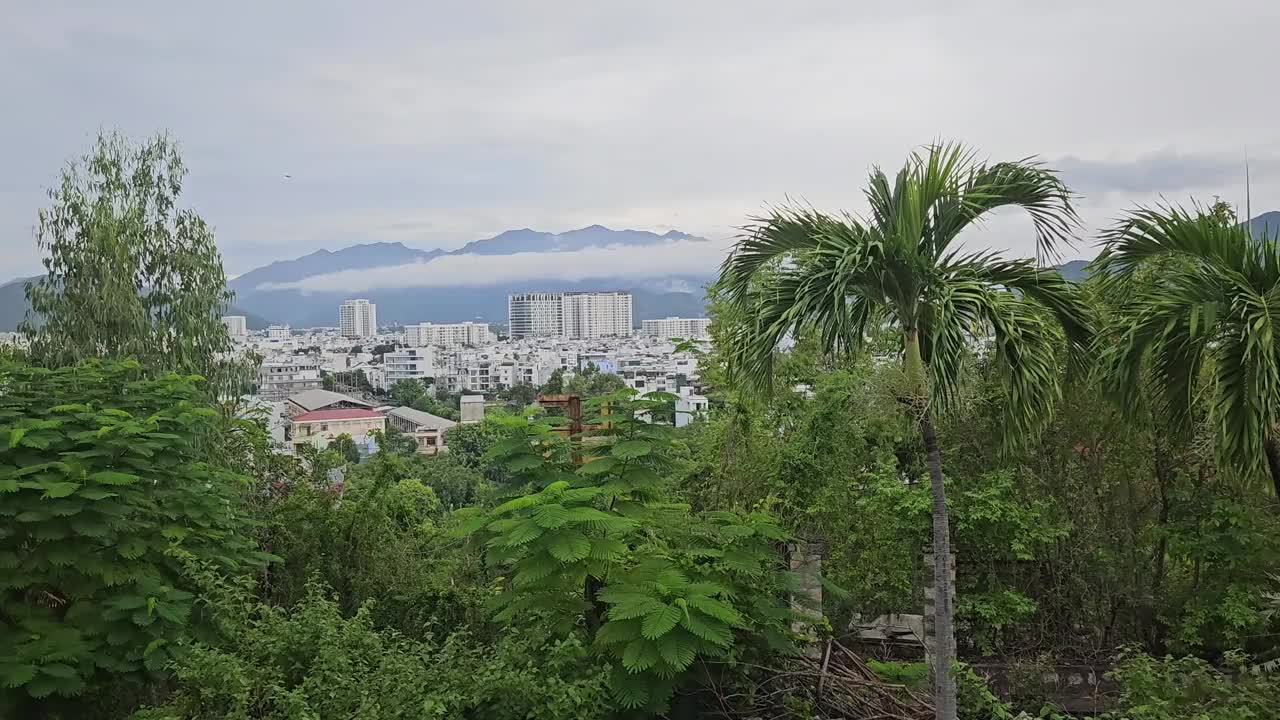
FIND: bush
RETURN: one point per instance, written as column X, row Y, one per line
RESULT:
column 106, row 490
column 312, row 662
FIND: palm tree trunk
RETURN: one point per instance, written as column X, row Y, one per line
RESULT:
column 1271, row 446
column 944, row 684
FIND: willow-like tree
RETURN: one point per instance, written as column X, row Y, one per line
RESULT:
column 798, row 271
column 128, row 272
column 1209, row 328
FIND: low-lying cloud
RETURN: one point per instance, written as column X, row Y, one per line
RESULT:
column 677, row 257
column 1166, row 170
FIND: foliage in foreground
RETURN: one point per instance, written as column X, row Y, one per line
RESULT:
column 314, row 661
column 106, row 492
column 596, row 546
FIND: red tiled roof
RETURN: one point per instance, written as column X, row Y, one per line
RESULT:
column 340, row 414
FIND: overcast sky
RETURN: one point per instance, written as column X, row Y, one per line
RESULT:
column 434, row 123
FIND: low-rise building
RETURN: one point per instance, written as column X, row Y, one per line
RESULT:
column 318, row 428
column 416, row 363
column 428, row 430
column 676, row 327
column 312, row 400
column 281, row 378
column 449, row 335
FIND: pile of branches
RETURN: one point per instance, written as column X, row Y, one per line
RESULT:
column 836, row 685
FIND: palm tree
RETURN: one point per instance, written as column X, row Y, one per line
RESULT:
column 798, row 270
column 1208, row 327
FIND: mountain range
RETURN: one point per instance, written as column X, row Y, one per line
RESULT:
column 259, row 298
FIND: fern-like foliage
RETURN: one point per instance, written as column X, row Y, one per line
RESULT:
column 593, row 545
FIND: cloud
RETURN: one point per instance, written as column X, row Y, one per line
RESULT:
column 1163, row 171
column 638, row 262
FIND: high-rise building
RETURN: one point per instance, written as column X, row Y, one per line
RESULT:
column 237, row 325
column 571, row 315
column 358, row 318
column 448, row 335
column 676, row 327
column 597, row 314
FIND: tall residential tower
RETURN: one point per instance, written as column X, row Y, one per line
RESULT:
column 358, row 318
column 573, row 315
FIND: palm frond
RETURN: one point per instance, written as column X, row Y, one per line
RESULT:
column 1026, row 184
column 1151, row 232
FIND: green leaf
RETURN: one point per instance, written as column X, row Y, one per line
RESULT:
column 660, row 622
column 15, row 436
column 58, row 670
column 640, row 655
column 568, row 546
column 631, row 449
column 112, row 477
column 60, row 489
column 599, row 466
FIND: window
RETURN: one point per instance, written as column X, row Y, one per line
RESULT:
column 324, row 426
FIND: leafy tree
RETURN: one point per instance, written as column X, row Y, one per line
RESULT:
column 346, row 446
column 108, row 490
column 128, row 273
column 520, row 396
column 900, row 267
column 1207, row 327
column 591, row 383
column 595, row 545
column 554, row 384
column 406, row 392
column 395, row 441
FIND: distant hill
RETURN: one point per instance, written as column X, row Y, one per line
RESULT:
column 1266, row 225
column 681, row 295
column 13, row 307
column 1073, row 271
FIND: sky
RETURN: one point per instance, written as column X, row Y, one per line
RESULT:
column 437, row 123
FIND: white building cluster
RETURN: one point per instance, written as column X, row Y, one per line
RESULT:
column 449, row 335
column 675, row 327
column 570, row 315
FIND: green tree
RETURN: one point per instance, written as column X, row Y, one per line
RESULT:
column 406, row 392
column 799, row 269
column 128, row 273
column 346, row 446
column 109, row 490
column 596, row 546
column 555, row 383
column 1210, row 325
column 520, row 396
column 395, row 441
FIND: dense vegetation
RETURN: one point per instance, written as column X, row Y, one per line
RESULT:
column 1115, row 505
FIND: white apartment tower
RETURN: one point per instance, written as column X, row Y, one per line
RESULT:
column 675, row 327
column 574, row 315
column 237, row 325
column 449, row 335
column 535, row 315
column 358, row 318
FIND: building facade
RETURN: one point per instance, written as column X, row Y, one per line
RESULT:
column 574, row 315
column 279, row 379
column 675, row 327
column 278, row 332
column 449, row 335
column 535, row 315
column 358, row 318
column 428, row 430
column 597, row 314
column 409, row 364
column 319, row 428
column 237, row 325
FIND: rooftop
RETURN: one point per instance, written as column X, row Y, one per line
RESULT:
column 422, row 419
column 317, row 399
column 342, row 414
